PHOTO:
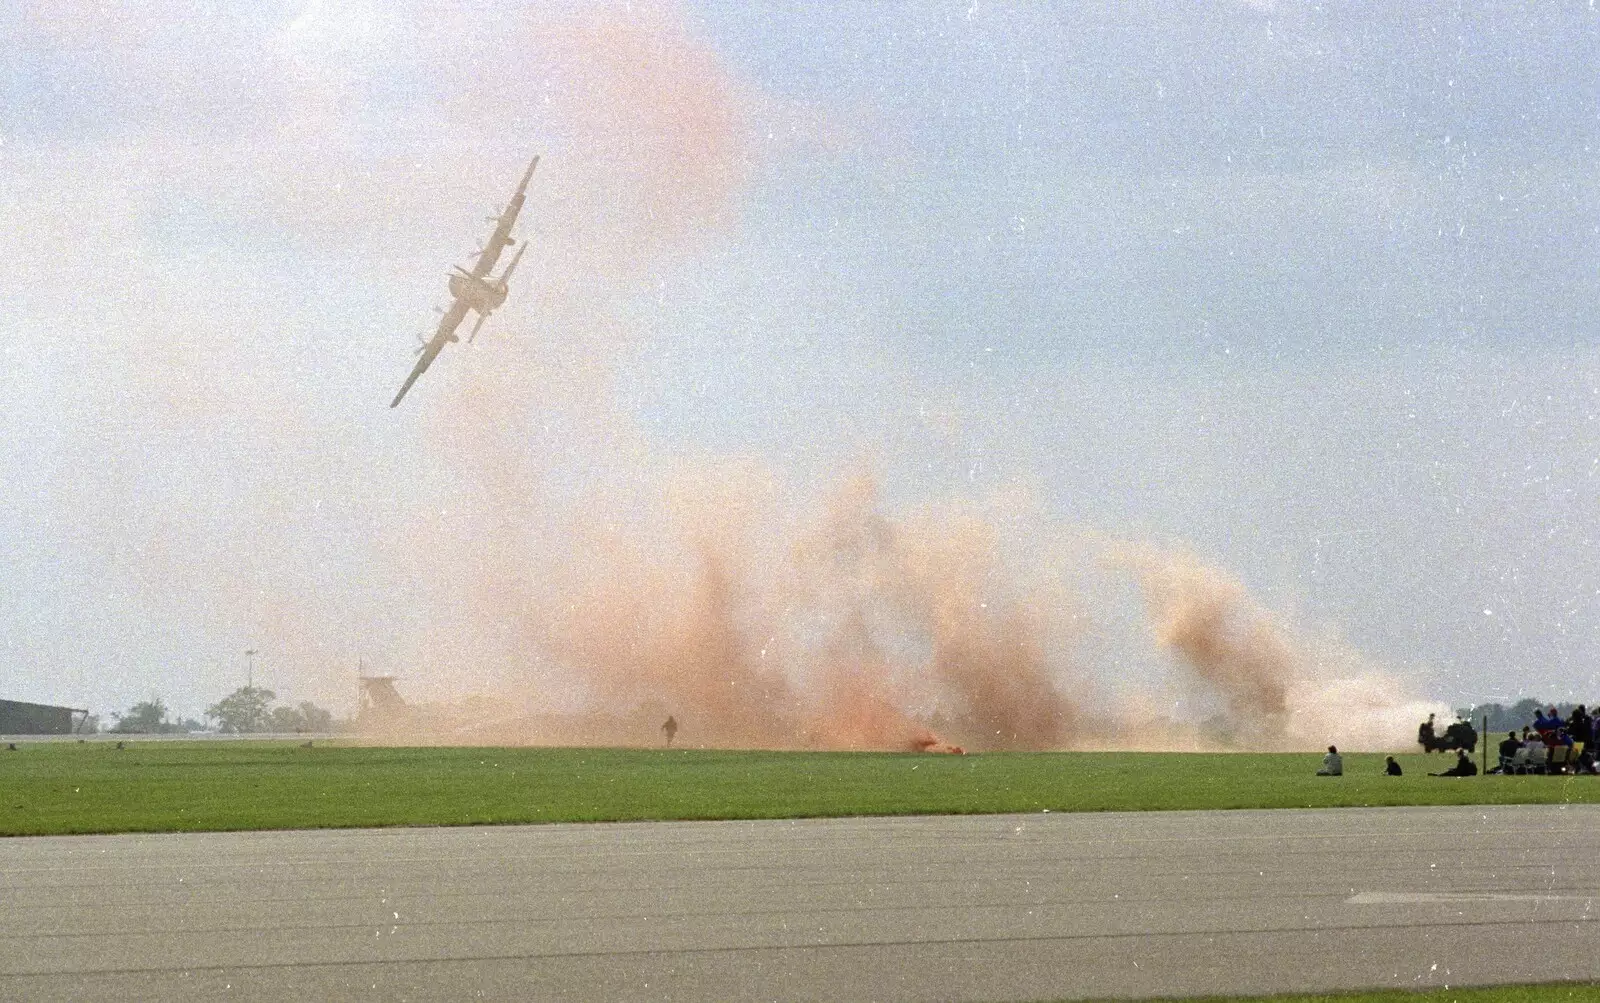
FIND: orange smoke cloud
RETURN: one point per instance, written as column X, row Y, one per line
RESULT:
column 1222, row 637
column 1280, row 690
column 569, row 578
column 855, row 639
column 658, row 118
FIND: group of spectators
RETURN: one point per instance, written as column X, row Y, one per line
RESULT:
column 1548, row 745
column 1551, row 745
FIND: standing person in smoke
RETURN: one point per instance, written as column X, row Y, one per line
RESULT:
column 1332, row 764
column 669, row 728
column 1425, row 735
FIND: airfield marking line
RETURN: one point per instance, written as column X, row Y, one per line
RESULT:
column 820, row 946
column 1409, row 898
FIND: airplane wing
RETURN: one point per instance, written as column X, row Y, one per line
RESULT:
column 501, row 237
column 442, row 337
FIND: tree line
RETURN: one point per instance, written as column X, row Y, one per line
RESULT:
column 1513, row 718
column 247, row 710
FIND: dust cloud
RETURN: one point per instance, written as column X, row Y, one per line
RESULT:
column 847, row 628
column 530, row 562
column 764, row 615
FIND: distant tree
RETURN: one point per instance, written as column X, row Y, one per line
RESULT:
column 1499, row 718
column 148, row 717
column 1523, row 710
column 306, row 717
column 1515, row 717
column 316, row 718
column 285, row 719
column 243, row 711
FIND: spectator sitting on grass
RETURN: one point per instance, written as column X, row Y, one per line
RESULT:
column 1332, row 764
column 1508, row 753
column 1561, row 750
column 1464, row 767
column 1538, row 755
column 1391, row 768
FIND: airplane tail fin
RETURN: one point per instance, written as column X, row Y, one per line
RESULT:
column 505, row 276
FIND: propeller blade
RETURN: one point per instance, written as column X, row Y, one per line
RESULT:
column 481, row 318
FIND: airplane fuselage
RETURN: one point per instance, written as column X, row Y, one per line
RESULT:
column 481, row 295
column 478, row 290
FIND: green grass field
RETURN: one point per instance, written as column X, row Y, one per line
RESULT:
column 1566, row 992
column 163, row 786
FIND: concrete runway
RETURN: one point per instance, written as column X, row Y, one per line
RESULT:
column 1011, row 907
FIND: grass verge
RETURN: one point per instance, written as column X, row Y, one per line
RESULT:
column 52, row 788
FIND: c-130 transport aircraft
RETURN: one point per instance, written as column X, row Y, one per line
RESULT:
column 475, row 290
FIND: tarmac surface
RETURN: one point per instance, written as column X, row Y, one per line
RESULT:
column 999, row 907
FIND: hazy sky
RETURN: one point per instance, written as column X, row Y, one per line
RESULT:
column 1309, row 289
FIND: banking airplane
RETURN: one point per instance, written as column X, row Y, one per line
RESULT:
column 476, row 290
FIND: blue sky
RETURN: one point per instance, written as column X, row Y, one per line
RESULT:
column 1307, row 290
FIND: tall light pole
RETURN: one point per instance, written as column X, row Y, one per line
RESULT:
column 250, row 669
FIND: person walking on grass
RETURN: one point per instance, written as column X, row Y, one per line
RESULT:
column 669, row 728
column 1332, row 764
